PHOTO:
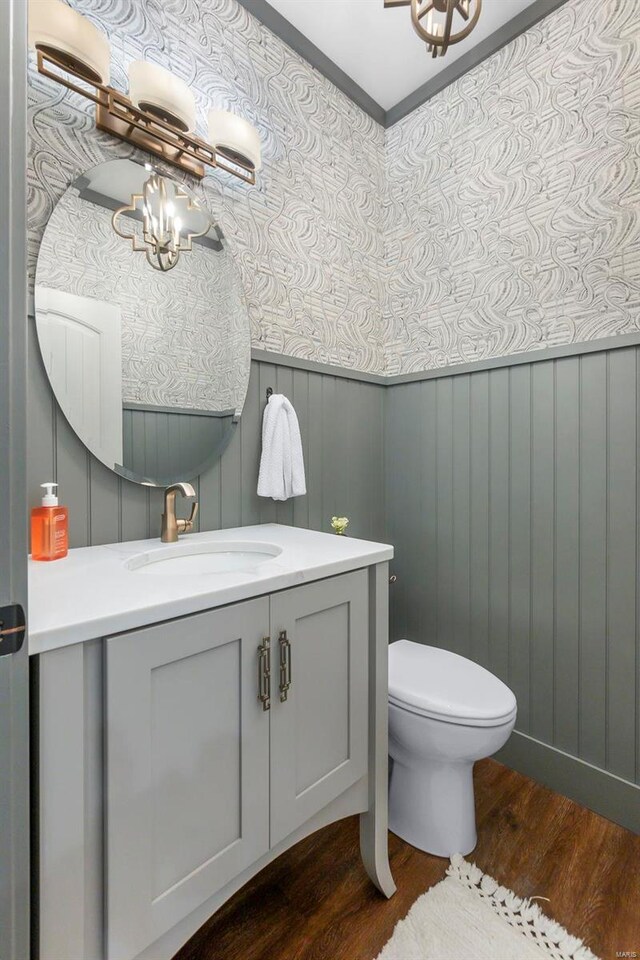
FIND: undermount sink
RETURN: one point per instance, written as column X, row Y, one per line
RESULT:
column 191, row 559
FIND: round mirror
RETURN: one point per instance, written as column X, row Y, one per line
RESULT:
column 142, row 323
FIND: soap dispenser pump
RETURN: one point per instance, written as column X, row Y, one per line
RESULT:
column 49, row 527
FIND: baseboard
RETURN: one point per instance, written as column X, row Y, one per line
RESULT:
column 603, row 792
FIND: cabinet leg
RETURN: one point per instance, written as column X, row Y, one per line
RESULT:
column 374, row 850
column 374, row 842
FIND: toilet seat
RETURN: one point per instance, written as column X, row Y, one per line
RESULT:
column 444, row 686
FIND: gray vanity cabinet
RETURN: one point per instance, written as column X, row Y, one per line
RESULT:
column 201, row 781
column 176, row 761
column 319, row 724
column 187, row 768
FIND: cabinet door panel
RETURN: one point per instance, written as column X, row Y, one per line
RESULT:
column 194, row 694
column 319, row 733
column 187, row 768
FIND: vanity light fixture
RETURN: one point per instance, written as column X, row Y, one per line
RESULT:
column 58, row 30
column 433, row 20
column 234, row 138
column 156, row 91
column 165, row 233
column 159, row 114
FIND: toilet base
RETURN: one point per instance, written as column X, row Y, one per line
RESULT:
column 432, row 807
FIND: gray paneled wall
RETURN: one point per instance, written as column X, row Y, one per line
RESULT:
column 154, row 440
column 341, row 422
column 512, row 499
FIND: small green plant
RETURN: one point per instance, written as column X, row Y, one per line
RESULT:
column 340, row 524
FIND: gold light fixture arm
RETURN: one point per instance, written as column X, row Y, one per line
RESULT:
column 117, row 115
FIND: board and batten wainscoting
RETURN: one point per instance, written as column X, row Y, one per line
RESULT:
column 512, row 503
column 509, row 491
column 341, row 420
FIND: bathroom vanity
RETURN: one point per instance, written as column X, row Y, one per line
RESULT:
column 200, row 708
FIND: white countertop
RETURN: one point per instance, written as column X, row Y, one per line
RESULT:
column 91, row 593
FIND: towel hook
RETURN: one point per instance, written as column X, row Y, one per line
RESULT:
column 269, row 392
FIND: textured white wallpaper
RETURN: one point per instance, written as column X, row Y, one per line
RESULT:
column 500, row 217
column 511, row 213
column 307, row 238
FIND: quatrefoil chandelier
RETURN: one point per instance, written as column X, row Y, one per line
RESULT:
column 170, row 221
column 433, row 20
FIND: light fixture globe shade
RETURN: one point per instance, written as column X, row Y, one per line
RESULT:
column 156, row 90
column 55, row 28
column 234, row 138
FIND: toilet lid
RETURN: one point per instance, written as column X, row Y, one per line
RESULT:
column 445, row 686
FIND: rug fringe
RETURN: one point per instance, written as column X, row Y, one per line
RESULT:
column 525, row 916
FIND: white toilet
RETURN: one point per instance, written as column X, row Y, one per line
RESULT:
column 445, row 712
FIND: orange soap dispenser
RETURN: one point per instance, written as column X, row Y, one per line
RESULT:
column 49, row 527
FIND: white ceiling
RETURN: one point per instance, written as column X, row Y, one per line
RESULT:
column 379, row 48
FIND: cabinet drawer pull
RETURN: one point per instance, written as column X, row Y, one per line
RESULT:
column 264, row 673
column 285, row 664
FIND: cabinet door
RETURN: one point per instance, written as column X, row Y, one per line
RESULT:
column 187, row 768
column 319, row 733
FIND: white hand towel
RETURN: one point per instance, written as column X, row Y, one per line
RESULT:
column 281, row 464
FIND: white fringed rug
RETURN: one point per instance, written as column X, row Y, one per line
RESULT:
column 467, row 916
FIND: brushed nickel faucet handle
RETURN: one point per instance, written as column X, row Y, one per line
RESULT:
column 171, row 526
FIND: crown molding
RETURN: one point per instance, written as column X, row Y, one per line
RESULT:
column 486, row 48
column 276, row 23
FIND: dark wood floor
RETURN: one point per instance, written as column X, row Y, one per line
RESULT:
column 316, row 903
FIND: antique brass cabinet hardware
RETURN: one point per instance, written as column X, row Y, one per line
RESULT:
column 264, row 673
column 285, row 664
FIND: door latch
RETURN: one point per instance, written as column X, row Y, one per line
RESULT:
column 12, row 629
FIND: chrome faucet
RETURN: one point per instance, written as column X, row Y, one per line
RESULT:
column 171, row 526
